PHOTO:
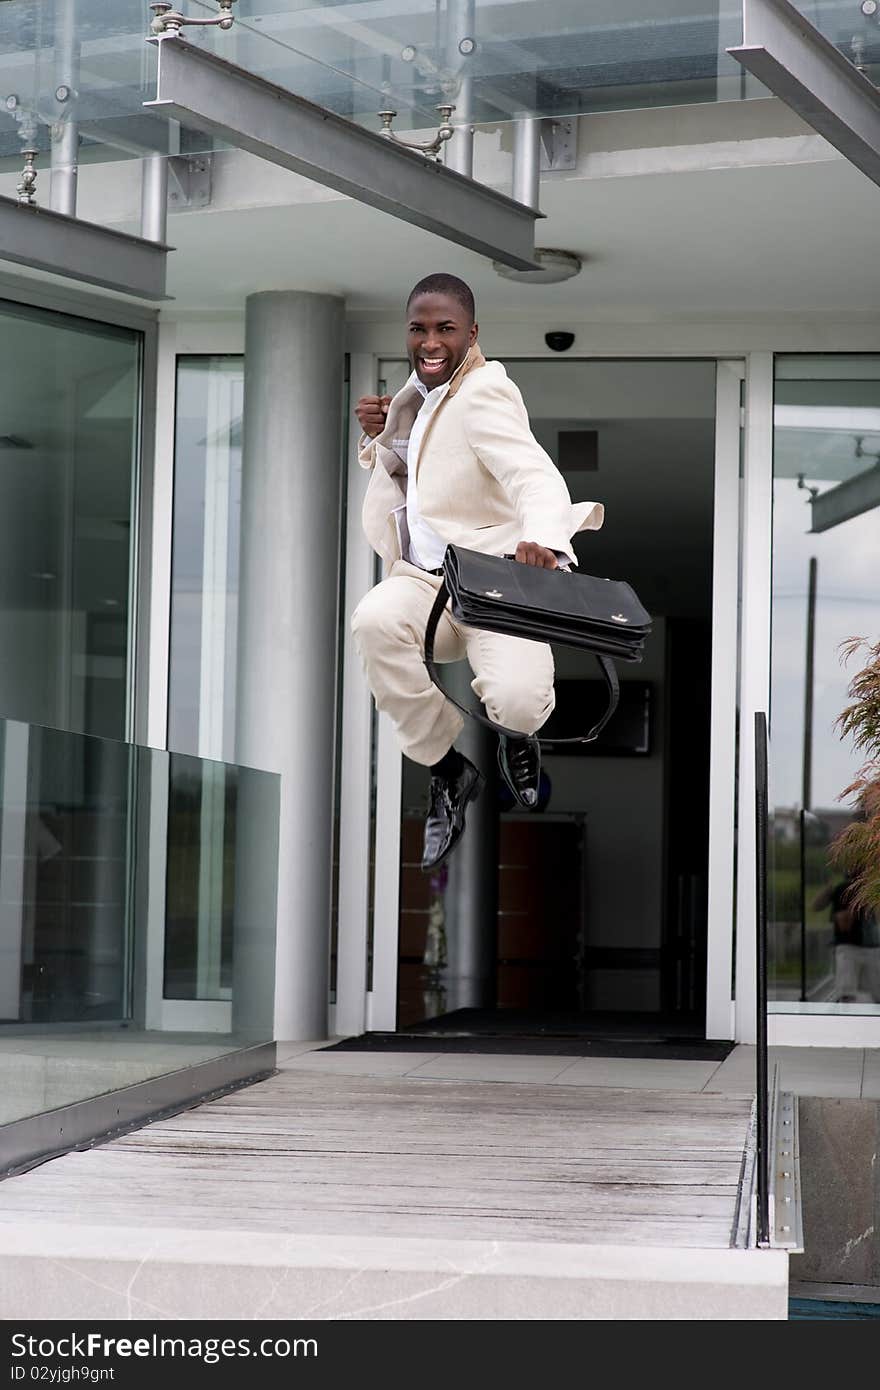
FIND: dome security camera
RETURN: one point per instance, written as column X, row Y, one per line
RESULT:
column 558, row 340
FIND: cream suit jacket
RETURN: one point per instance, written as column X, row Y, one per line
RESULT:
column 484, row 481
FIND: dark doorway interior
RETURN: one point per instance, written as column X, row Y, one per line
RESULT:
column 600, row 929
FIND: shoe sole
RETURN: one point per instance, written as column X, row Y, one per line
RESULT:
column 477, row 786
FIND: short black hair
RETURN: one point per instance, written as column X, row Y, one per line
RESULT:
column 446, row 284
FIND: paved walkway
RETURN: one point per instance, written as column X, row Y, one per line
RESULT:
column 811, row 1071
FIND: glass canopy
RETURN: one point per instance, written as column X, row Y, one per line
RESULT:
column 87, row 61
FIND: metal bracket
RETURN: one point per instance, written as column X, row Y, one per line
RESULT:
column 167, row 20
column 786, row 1216
column 190, row 181
column 431, row 146
column 558, row 144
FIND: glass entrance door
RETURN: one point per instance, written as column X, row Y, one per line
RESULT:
column 603, row 894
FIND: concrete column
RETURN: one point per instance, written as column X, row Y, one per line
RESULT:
column 471, row 901
column 289, row 578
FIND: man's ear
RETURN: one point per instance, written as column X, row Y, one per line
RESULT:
column 473, row 335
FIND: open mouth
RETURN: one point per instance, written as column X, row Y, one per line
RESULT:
column 433, row 366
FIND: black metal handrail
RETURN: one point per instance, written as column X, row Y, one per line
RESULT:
column 762, row 1154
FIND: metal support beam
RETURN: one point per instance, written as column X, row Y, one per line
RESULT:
column 203, row 91
column 800, row 66
column 846, row 500
column 48, row 241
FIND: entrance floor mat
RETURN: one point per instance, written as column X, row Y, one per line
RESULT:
column 681, row 1050
column 550, row 1033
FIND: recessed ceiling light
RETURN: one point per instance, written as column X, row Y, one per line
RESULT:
column 551, row 267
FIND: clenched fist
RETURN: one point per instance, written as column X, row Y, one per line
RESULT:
column 371, row 412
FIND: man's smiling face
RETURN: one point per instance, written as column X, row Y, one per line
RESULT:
column 438, row 335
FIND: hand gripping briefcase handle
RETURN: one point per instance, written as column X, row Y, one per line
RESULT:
column 497, row 593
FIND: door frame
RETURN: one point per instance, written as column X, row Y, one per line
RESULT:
column 366, row 999
column 175, row 339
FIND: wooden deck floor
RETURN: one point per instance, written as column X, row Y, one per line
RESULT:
column 311, row 1153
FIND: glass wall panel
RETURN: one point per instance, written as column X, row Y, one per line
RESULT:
column 106, row 866
column 205, row 556
column 69, row 428
column 826, row 590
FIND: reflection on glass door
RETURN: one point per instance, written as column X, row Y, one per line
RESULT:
column 201, row 688
column 826, row 589
column 69, row 422
column 69, row 440
column 204, row 580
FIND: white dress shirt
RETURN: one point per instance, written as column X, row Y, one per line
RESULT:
column 419, row 542
column 426, row 548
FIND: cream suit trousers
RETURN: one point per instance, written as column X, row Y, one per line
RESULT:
column 513, row 677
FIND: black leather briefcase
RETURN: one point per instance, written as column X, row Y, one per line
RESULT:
column 603, row 616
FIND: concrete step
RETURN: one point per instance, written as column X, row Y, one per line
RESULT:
column 86, row 1271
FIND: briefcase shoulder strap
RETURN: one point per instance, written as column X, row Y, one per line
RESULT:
column 609, row 671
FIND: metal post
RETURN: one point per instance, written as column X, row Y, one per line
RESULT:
column 154, row 198
column 460, row 45
column 527, row 160
column 472, row 890
column 802, row 828
column 65, row 131
column 762, row 1156
column 807, row 784
column 289, row 577
column 807, row 771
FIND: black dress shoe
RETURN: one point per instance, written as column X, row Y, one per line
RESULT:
column 520, row 763
column 444, row 825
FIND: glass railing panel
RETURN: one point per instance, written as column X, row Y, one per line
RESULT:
column 84, row 62
column 854, row 33
column 503, row 58
column 137, row 914
column 824, row 953
column 544, row 57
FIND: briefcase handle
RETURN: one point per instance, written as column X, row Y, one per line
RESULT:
column 609, row 671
